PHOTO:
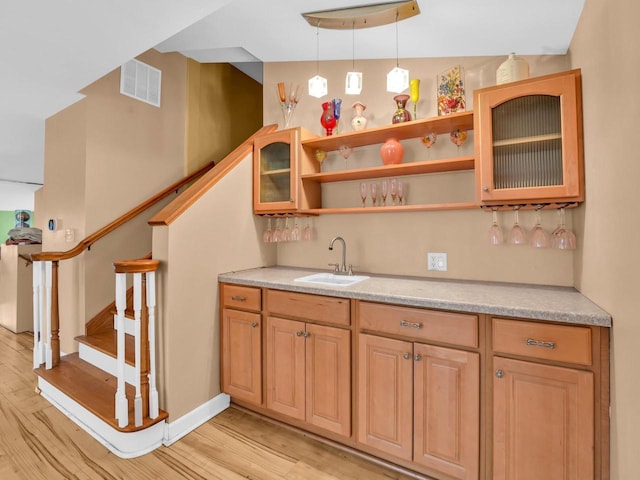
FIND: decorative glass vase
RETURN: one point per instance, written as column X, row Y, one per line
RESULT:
column 391, row 152
column 328, row 119
column 402, row 114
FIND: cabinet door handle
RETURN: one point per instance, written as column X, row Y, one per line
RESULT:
column 254, row 324
column 499, row 373
column 306, row 334
column 485, row 189
column 539, row 343
column 238, row 298
column 417, row 357
column 299, row 333
column 407, row 356
column 404, row 323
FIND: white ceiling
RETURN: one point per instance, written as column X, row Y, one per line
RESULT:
column 51, row 50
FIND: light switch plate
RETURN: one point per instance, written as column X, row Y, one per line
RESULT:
column 437, row 262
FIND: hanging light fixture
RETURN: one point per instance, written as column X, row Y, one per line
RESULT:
column 398, row 78
column 353, row 81
column 318, row 86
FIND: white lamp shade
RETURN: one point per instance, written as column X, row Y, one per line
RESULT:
column 318, row 86
column 397, row 80
column 353, row 83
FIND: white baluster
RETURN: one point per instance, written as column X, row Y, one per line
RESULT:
column 48, row 354
column 137, row 309
column 122, row 407
column 37, row 275
column 151, row 305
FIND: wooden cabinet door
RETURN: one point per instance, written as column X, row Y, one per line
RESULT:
column 285, row 367
column 529, row 140
column 328, row 379
column 542, row 422
column 447, row 410
column 385, row 389
column 242, row 355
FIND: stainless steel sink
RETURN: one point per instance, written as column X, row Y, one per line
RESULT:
column 332, row 279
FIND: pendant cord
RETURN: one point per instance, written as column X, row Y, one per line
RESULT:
column 318, row 48
column 397, row 49
column 353, row 43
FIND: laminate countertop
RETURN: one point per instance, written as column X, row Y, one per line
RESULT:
column 549, row 303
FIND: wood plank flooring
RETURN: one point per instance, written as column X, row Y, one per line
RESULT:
column 37, row 442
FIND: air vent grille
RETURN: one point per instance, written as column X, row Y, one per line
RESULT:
column 141, row 81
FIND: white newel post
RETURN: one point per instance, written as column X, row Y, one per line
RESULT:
column 38, row 314
column 122, row 408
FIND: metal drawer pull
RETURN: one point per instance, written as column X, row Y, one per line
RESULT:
column 254, row 324
column 499, row 373
column 237, row 298
column 417, row 357
column 407, row 356
column 404, row 323
column 539, row 343
column 299, row 333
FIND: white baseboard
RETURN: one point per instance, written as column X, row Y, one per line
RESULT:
column 179, row 428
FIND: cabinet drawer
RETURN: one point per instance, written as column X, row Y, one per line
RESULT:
column 454, row 328
column 245, row 298
column 545, row 341
column 309, row 307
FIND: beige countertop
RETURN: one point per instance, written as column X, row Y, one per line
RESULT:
column 558, row 304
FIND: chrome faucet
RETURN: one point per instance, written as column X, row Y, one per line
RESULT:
column 341, row 269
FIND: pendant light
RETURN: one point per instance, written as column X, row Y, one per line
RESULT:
column 353, row 81
column 318, row 85
column 398, row 78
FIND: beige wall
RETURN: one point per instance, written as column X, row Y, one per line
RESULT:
column 16, row 280
column 608, row 261
column 398, row 243
column 219, row 233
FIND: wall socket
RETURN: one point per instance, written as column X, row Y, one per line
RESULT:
column 437, row 262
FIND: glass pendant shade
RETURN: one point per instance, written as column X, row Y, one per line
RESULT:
column 353, row 83
column 397, row 80
column 318, row 86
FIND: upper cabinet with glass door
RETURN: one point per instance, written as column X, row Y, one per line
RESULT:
column 529, row 144
column 277, row 166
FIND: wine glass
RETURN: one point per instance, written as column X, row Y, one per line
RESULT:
column 517, row 234
column 345, row 151
column 374, row 193
column 277, row 233
column 286, row 232
column 295, row 232
column 400, row 192
column 562, row 237
column 538, row 238
column 383, row 191
column 393, row 190
column 308, row 230
column 495, row 231
column 458, row 137
column 363, row 192
column 267, row 236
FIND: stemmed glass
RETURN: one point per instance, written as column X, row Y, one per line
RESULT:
column 363, row 192
column 295, row 232
column 286, row 233
column 393, row 190
column 562, row 237
column 374, row 193
column 384, row 192
column 495, row 231
column 538, row 237
column 308, row 230
column 267, row 236
column 277, row 233
column 345, row 151
column 400, row 192
column 517, row 234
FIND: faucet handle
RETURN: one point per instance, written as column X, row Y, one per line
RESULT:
column 336, row 266
column 351, row 268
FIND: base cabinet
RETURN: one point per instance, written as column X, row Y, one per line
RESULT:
column 307, row 374
column 420, row 403
column 542, row 422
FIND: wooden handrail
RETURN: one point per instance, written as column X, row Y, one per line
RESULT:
column 172, row 211
column 26, row 259
column 94, row 237
column 136, row 266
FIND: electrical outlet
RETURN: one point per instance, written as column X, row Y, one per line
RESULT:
column 437, row 262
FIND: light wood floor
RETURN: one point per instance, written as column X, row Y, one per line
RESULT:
column 39, row 442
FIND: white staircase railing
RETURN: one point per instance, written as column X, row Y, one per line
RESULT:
column 145, row 402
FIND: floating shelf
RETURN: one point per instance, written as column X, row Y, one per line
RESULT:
column 400, row 131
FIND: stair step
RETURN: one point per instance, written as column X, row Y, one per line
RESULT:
column 107, row 343
column 94, row 390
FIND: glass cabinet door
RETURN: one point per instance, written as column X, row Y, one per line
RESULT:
column 530, row 140
column 275, row 162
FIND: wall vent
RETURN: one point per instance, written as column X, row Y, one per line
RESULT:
column 141, row 81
